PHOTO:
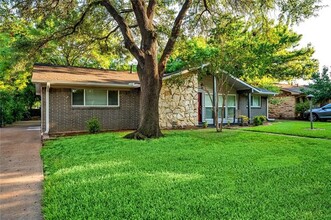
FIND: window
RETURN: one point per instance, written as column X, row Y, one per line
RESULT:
column 95, row 97
column 208, row 107
column 230, row 106
column 256, row 101
column 220, row 104
column 78, row 96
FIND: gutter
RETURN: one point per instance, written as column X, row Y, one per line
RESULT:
column 70, row 83
column 47, row 107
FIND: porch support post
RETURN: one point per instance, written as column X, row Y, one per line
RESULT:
column 214, row 99
column 267, row 107
column 249, row 109
column 47, row 107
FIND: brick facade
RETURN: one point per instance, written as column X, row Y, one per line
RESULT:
column 66, row 118
column 282, row 106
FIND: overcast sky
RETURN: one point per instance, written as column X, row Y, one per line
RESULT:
column 317, row 31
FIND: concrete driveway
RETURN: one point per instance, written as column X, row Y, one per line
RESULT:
column 21, row 173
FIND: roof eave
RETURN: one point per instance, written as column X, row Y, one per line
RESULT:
column 96, row 84
column 268, row 93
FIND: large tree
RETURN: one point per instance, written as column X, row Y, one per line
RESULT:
column 149, row 30
column 240, row 48
column 321, row 87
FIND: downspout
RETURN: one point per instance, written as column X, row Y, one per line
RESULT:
column 47, row 107
column 249, row 106
column 267, row 107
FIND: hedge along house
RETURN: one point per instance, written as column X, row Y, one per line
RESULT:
column 70, row 96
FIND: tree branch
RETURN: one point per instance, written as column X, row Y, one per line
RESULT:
column 173, row 36
column 205, row 4
column 111, row 32
column 58, row 35
column 141, row 16
column 124, row 11
column 126, row 32
column 151, row 9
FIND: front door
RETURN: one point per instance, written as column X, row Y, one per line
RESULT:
column 200, row 107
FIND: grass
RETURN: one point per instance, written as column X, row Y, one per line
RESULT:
column 197, row 174
column 296, row 128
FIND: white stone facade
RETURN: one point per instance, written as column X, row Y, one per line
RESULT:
column 178, row 104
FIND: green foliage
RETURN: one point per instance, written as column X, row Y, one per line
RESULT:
column 265, row 82
column 260, row 56
column 205, row 124
column 321, row 87
column 93, row 125
column 275, row 54
column 276, row 100
column 197, row 174
column 301, row 107
column 175, row 65
column 15, row 104
column 176, row 80
column 258, row 120
column 243, row 120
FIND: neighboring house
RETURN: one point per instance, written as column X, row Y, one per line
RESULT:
column 283, row 104
column 70, row 96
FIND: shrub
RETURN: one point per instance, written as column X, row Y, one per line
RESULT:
column 243, row 120
column 301, row 107
column 205, row 124
column 258, row 120
column 93, row 125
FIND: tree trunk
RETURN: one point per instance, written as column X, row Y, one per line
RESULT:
column 217, row 125
column 150, row 85
column 222, row 113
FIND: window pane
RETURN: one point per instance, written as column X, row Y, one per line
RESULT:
column 256, row 101
column 209, row 113
column 112, row 97
column 220, row 100
column 78, row 97
column 95, row 97
column 208, row 102
column 231, row 101
column 231, row 112
column 220, row 112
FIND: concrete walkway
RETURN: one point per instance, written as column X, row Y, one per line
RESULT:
column 20, row 171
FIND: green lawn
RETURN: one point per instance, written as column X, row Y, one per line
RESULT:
column 197, row 174
column 297, row 128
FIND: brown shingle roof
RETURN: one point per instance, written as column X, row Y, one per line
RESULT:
column 77, row 75
column 293, row 89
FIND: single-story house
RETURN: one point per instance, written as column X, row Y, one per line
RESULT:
column 283, row 104
column 70, row 96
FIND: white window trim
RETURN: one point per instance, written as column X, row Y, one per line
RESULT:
column 96, row 106
column 233, row 106
column 209, row 120
column 256, row 106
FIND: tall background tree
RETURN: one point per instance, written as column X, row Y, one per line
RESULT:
column 321, row 87
column 148, row 30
